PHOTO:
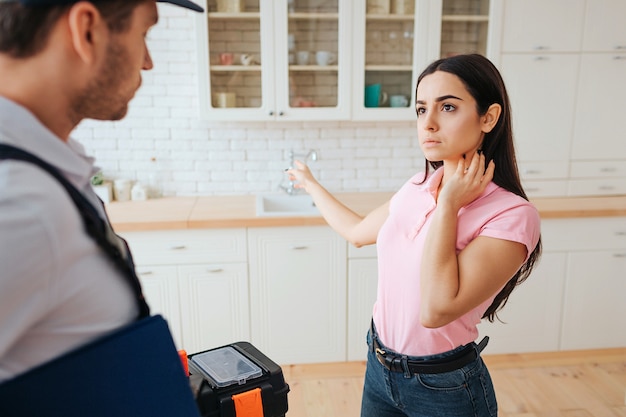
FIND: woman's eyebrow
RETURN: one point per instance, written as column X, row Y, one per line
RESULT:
column 442, row 98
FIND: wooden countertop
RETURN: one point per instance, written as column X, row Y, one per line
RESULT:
column 240, row 211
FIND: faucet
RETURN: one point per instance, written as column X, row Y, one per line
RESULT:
column 290, row 188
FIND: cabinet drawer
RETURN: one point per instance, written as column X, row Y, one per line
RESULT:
column 187, row 246
column 597, row 233
column 545, row 188
column 596, row 187
column 595, row 169
column 543, row 170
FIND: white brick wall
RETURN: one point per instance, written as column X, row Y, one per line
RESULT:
column 196, row 157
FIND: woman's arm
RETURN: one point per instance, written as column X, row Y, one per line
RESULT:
column 451, row 284
column 356, row 229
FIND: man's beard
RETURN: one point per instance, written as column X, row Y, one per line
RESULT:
column 103, row 99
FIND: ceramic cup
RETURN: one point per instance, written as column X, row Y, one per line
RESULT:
column 398, row 100
column 227, row 58
column 374, row 97
column 302, row 57
column 224, row 100
column 324, row 58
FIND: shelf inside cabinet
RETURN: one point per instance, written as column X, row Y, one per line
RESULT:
column 390, row 17
column 232, row 16
column 313, row 68
column 388, row 68
column 464, row 18
column 227, row 68
column 313, row 16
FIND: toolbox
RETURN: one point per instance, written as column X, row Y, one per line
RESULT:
column 237, row 380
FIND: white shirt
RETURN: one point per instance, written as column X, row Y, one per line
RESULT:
column 58, row 290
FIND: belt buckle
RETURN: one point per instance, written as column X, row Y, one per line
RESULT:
column 380, row 355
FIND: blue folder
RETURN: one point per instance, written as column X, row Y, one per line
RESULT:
column 134, row 372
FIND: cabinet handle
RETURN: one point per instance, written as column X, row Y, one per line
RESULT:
column 619, row 57
column 608, row 169
column 271, row 112
column 540, row 48
column 541, row 58
column 178, row 247
column 145, row 272
column 606, row 188
column 619, row 255
column 620, row 47
column 299, row 247
column 281, row 113
column 620, row 233
column 215, row 270
column 532, row 171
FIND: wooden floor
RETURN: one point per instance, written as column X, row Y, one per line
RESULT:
column 556, row 384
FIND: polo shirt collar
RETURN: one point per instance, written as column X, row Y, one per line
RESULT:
column 20, row 128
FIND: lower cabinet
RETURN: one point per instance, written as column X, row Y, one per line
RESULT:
column 298, row 293
column 303, row 295
column 362, row 287
column 198, row 281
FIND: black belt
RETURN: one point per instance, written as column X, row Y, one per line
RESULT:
column 457, row 360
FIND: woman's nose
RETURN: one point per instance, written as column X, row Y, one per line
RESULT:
column 428, row 121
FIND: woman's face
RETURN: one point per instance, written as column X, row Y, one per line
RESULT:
column 448, row 124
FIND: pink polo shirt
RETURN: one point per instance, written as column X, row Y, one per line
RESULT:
column 496, row 213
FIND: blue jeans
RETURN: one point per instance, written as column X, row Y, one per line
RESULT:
column 467, row 391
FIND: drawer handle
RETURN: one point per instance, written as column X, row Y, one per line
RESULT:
column 299, row 247
column 620, row 233
column 542, row 58
column 540, row 48
column 619, row 255
column 619, row 57
column 145, row 272
column 608, row 169
column 178, row 247
column 532, row 171
column 606, row 188
column 215, row 270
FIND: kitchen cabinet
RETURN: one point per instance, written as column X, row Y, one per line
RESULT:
column 362, row 287
column 311, row 60
column 391, row 48
column 593, row 306
column 542, row 26
column 278, row 60
column 565, row 80
column 298, row 293
column 197, row 279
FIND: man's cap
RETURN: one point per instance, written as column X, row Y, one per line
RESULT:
column 183, row 3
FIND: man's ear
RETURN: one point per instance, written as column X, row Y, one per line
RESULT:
column 86, row 30
column 491, row 117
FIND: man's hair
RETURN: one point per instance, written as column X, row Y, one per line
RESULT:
column 24, row 31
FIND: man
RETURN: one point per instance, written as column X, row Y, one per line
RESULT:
column 61, row 61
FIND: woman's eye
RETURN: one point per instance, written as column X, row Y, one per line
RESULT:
column 420, row 110
column 448, row 107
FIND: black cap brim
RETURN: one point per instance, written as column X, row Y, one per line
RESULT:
column 184, row 3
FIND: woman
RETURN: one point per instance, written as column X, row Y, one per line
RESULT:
column 452, row 244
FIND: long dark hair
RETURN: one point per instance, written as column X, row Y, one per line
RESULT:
column 484, row 82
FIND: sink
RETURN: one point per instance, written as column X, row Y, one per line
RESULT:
column 285, row 205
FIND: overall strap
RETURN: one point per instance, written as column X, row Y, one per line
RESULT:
column 100, row 230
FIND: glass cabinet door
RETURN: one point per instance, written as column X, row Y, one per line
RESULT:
column 316, row 38
column 464, row 27
column 234, row 79
column 384, row 60
column 275, row 60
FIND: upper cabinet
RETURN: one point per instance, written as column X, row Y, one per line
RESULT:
column 275, row 60
column 330, row 59
column 605, row 28
column 542, row 25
